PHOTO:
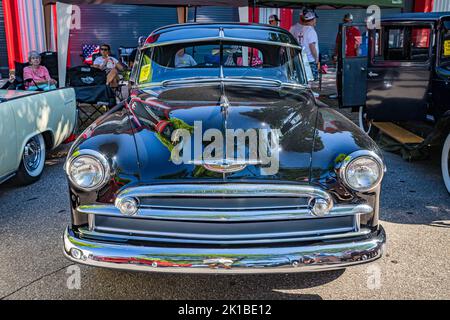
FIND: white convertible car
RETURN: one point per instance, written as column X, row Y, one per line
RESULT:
column 31, row 123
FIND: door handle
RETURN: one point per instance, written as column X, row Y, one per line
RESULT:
column 372, row 74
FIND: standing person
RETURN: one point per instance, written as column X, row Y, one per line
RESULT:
column 352, row 44
column 111, row 65
column 310, row 41
column 352, row 38
column 273, row 20
column 296, row 30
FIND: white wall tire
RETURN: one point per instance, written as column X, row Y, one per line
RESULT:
column 364, row 124
column 445, row 162
column 33, row 161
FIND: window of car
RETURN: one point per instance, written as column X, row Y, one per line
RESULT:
column 403, row 43
column 444, row 59
column 216, row 58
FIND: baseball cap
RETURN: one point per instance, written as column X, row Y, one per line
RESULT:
column 309, row 15
column 348, row 16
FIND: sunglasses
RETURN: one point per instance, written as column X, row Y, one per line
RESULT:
column 104, row 49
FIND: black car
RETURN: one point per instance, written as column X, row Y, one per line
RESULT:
column 399, row 80
column 222, row 160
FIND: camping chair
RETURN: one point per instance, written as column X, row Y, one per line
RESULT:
column 93, row 96
column 49, row 59
column 125, row 55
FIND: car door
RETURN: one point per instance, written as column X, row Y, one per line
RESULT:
column 352, row 64
column 8, row 146
column 399, row 71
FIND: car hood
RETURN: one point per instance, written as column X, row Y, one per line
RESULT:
column 289, row 113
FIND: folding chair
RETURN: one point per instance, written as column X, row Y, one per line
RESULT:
column 93, row 96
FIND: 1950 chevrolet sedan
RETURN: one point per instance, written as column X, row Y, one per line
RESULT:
column 222, row 161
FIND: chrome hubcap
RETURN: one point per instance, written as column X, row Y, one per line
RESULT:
column 32, row 155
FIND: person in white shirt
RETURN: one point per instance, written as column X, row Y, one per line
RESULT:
column 296, row 31
column 183, row 59
column 109, row 64
column 307, row 38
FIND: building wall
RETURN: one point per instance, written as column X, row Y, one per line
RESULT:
column 328, row 22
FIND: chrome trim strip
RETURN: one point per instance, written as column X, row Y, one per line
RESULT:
column 227, row 216
column 7, row 177
column 165, row 237
column 262, row 259
column 225, row 190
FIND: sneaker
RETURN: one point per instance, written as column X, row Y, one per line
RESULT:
column 333, row 96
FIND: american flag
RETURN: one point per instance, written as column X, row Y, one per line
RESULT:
column 88, row 51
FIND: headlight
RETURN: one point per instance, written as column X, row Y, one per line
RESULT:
column 362, row 171
column 88, row 170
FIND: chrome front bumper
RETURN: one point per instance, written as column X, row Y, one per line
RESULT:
column 325, row 255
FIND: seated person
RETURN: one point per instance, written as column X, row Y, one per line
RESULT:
column 183, row 59
column 37, row 77
column 109, row 64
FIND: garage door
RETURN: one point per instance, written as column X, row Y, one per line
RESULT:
column 214, row 14
column 3, row 51
column 117, row 25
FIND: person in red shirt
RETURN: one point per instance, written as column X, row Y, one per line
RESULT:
column 352, row 43
column 352, row 38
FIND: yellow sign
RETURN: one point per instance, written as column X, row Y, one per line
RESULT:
column 146, row 73
column 447, row 48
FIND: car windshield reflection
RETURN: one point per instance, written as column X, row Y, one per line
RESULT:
column 232, row 60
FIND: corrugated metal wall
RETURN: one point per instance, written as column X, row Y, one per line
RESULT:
column 327, row 25
column 117, row 25
column 3, row 51
column 214, row 14
column 441, row 5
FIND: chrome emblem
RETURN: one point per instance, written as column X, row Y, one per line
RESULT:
column 226, row 165
column 224, row 168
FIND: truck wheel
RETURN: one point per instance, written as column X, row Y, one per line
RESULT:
column 33, row 160
column 445, row 162
column 364, row 123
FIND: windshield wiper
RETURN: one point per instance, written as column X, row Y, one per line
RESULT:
column 245, row 79
column 259, row 79
column 189, row 79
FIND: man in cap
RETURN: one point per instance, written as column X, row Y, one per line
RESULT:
column 309, row 41
column 274, row 21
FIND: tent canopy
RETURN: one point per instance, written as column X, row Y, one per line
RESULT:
column 242, row 3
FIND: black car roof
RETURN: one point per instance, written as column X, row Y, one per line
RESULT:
column 239, row 30
column 418, row 16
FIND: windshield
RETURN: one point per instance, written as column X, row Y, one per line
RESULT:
column 445, row 50
column 205, row 59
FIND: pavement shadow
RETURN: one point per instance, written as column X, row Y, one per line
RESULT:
column 136, row 285
column 414, row 192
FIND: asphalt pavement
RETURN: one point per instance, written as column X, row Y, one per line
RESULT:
column 415, row 211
